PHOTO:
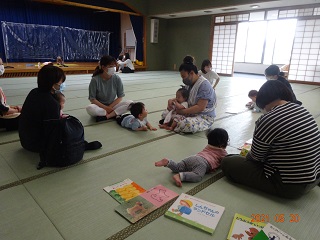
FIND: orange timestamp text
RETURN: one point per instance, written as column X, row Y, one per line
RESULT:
column 279, row 217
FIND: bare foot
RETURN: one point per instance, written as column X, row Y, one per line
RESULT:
column 162, row 126
column 177, row 179
column 162, row 163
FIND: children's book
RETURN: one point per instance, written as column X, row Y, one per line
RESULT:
column 271, row 232
column 248, row 142
column 124, row 191
column 195, row 212
column 148, row 201
column 244, row 227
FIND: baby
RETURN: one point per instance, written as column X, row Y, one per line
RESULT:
column 59, row 96
column 193, row 168
column 252, row 105
column 170, row 118
column 137, row 120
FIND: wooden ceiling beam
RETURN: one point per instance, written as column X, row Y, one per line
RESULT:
column 62, row 2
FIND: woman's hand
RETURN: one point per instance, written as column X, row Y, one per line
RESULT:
column 170, row 104
column 108, row 109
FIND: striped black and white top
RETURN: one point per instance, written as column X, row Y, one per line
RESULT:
column 287, row 139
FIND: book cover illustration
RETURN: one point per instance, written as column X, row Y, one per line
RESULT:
column 195, row 212
column 124, row 191
column 140, row 206
column 271, row 232
column 135, row 209
column 159, row 195
column 243, row 227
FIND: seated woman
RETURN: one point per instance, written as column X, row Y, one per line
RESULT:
column 9, row 115
column 200, row 114
column 126, row 64
column 273, row 73
column 285, row 155
column 106, row 91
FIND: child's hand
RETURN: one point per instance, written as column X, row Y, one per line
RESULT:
column 153, row 129
column 144, row 128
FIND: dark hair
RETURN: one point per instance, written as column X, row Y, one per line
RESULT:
column 120, row 57
column 104, row 61
column 136, row 108
column 252, row 93
column 271, row 91
column 127, row 56
column 188, row 59
column 218, row 137
column 188, row 65
column 205, row 62
column 48, row 76
column 184, row 92
column 272, row 70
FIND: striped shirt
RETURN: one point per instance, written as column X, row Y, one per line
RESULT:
column 287, row 139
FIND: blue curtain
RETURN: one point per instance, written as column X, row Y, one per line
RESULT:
column 29, row 12
column 137, row 25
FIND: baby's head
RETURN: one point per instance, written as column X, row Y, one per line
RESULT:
column 253, row 95
column 59, row 96
column 218, row 137
column 182, row 95
column 138, row 110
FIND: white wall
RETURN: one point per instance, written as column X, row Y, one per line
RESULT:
column 126, row 25
column 254, row 68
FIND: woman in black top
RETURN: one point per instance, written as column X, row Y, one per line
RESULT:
column 273, row 73
column 284, row 159
column 40, row 105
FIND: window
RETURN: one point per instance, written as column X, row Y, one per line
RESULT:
column 267, row 42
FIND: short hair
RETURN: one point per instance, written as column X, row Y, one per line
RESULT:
column 205, row 63
column 184, row 92
column 271, row 91
column 252, row 93
column 120, row 57
column 48, row 76
column 188, row 65
column 272, row 70
column 136, row 108
column 218, row 137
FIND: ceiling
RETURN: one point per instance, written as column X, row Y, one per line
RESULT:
column 236, row 8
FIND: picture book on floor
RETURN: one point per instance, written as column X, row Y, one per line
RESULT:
column 245, row 148
column 244, row 227
column 148, row 201
column 271, row 232
column 195, row 212
column 124, row 190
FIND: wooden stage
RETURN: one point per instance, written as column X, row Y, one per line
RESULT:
column 28, row 69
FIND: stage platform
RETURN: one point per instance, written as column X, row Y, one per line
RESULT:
column 29, row 69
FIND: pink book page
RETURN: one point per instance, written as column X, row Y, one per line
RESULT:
column 159, row 195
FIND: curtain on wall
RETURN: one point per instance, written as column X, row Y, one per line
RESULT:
column 29, row 12
column 137, row 25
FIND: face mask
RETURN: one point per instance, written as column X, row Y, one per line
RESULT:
column 111, row 71
column 1, row 69
column 187, row 81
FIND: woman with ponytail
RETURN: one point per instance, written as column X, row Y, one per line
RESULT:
column 106, row 91
column 200, row 114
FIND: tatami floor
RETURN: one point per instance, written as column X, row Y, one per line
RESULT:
column 70, row 203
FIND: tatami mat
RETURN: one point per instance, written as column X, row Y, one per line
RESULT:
column 69, row 203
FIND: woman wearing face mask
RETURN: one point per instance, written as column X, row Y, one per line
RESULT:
column 207, row 72
column 285, row 155
column 106, row 91
column 273, row 73
column 40, row 105
column 200, row 114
